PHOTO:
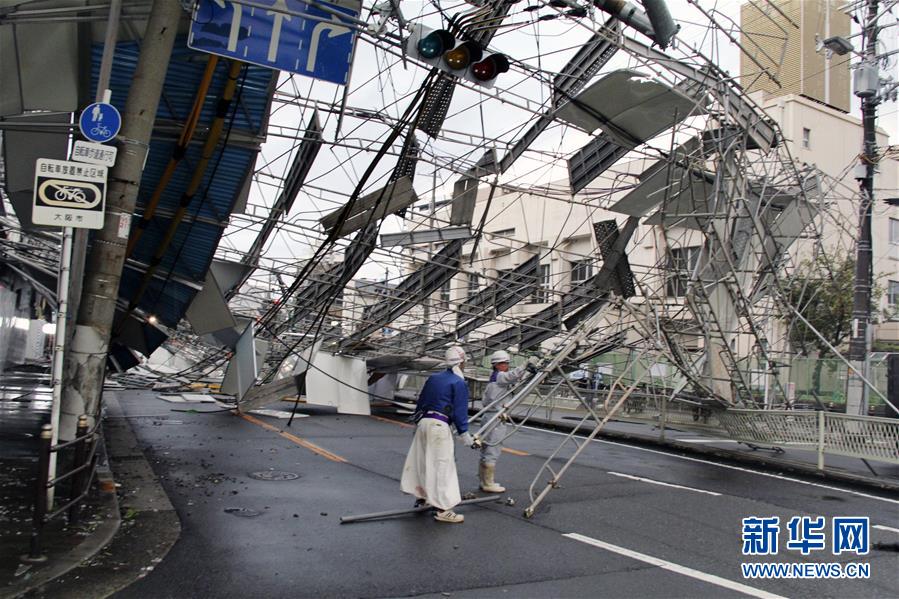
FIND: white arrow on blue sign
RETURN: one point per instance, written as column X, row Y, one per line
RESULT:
column 293, row 36
column 100, row 122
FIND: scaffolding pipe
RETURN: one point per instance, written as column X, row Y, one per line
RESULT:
column 412, row 510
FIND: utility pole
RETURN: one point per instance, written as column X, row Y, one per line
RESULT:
column 867, row 88
column 80, row 236
column 86, row 363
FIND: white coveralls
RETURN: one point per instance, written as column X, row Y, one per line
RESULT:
column 500, row 384
column 430, row 469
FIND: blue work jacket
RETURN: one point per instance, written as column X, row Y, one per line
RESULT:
column 447, row 393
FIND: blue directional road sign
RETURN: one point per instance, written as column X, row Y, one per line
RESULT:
column 294, row 36
column 100, row 122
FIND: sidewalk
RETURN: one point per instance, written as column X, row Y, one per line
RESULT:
column 25, row 400
column 99, row 554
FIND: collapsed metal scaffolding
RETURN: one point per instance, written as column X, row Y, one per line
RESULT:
column 693, row 165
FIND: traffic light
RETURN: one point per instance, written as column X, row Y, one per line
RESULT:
column 463, row 58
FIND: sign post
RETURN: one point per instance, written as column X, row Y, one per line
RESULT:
column 71, row 200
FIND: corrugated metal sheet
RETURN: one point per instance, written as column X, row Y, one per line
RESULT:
column 189, row 255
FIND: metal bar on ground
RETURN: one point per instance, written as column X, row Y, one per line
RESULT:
column 411, row 510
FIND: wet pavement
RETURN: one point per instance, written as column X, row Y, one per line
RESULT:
column 25, row 401
column 641, row 522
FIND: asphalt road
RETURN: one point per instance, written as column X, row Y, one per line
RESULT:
column 639, row 522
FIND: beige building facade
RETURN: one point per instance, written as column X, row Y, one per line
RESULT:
column 779, row 55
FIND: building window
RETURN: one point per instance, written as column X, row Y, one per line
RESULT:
column 474, row 284
column 894, row 294
column 681, row 262
column 504, row 233
column 541, row 289
column 581, row 270
column 806, row 138
column 445, row 295
column 894, row 231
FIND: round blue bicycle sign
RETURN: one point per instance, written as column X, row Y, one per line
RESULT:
column 100, row 122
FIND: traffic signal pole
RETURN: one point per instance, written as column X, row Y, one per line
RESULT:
column 860, row 342
column 86, row 363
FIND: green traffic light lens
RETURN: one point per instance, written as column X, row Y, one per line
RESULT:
column 430, row 46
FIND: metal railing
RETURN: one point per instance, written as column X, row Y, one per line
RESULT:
column 80, row 476
column 865, row 437
column 826, row 433
column 641, row 406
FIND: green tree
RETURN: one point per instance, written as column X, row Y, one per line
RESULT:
column 822, row 291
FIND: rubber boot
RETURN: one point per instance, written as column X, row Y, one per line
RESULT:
column 488, row 485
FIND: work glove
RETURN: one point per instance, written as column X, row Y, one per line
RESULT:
column 466, row 439
column 533, row 364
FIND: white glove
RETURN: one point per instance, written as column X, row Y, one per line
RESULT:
column 534, row 360
column 466, row 439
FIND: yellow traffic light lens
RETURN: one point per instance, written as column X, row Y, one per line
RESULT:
column 457, row 58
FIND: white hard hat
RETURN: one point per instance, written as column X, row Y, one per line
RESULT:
column 454, row 355
column 499, row 356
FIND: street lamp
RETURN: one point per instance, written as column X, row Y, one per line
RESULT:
column 838, row 45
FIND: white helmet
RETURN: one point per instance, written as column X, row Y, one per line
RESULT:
column 454, row 355
column 499, row 356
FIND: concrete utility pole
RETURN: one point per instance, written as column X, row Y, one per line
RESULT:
column 860, row 342
column 86, row 363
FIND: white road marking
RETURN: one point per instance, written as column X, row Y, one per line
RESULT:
column 882, row 527
column 676, row 568
column 729, row 467
column 658, row 482
column 681, row 440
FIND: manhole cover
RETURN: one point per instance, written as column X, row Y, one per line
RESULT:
column 274, row 475
column 243, row 512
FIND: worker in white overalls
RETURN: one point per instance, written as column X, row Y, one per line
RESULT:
column 430, row 469
column 501, row 381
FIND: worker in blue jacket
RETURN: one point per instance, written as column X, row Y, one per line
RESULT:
column 430, row 470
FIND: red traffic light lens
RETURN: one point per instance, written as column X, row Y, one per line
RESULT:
column 435, row 43
column 462, row 55
column 490, row 67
